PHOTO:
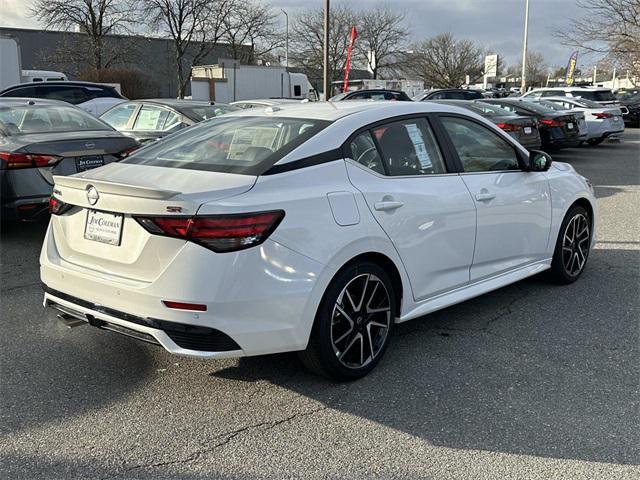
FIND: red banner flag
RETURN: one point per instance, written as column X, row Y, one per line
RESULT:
column 347, row 65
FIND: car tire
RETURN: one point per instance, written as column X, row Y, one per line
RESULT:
column 595, row 141
column 572, row 246
column 353, row 323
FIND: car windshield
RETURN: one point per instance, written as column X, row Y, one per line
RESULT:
column 247, row 145
column 205, row 112
column 595, row 95
column 44, row 119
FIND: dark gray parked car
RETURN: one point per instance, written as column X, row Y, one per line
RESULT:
column 523, row 128
column 42, row 138
column 147, row 120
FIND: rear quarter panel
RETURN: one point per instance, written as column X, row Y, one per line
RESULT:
column 309, row 226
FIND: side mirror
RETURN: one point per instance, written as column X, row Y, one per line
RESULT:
column 539, row 161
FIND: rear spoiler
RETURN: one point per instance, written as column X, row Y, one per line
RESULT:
column 78, row 183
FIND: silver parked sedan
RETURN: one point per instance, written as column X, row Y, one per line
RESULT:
column 42, row 138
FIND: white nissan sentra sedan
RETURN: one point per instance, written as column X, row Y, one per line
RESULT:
column 311, row 228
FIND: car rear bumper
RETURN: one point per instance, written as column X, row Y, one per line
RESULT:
column 258, row 300
column 28, row 208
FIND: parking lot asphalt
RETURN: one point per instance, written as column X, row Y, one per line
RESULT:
column 532, row 381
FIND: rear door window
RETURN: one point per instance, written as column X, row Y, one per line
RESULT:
column 151, row 118
column 364, row 151
column 409, row 148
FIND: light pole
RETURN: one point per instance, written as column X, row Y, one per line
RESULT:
column 325, row 69
column 523, row 83
column 286, row 38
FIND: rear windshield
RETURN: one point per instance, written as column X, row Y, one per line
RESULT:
column 248, row 145
column 206, row 112
column 552, row 105
column 44, row 119
column 596, row 96
column 534, row 107
column 587, row 103
column 488, row 110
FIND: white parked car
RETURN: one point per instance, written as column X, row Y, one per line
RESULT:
column 604, row 96
column 311, row 227
column 602, row 122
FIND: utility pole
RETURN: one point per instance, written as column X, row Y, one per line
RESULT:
column 325, row 70
column 523, row 83
column 286, row 39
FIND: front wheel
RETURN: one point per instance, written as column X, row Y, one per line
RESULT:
column 353, row 323
column 595, row 141
column 572, row 247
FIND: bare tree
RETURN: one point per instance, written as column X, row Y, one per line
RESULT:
column 381, row 39
column 252, row 31
column 609, row 28
column 97, row 19
column 195, row 26
column 537, row 69
column 444, row 61
column 307, row 41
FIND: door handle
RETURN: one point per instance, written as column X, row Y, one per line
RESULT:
column 485, row 196
column 387, row 205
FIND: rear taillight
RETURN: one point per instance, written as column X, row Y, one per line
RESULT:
column 57, row 206
column 551, row 122
column 27, row 160
column 220, row 233
column 508, row 127
column 127, row 151
column 601, row 116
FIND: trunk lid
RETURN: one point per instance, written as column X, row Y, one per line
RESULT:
column 80, row 151
column 123, row 191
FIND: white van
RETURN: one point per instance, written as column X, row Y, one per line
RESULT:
column 11, row 72
column 29, row 76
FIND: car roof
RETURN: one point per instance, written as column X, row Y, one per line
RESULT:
column 267, row 101
column 332, row 111
column 64, row 83
column 25, row 101
column 452, row 90
column 568, row 89
column 376, row 90
column 61, row 82
column 173, row 102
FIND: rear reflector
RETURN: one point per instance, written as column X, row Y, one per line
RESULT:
column 27, row 160
column 220, row 233
column 198, row 307
column 127, row 151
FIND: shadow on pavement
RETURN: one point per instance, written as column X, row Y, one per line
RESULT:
column 529, row 369
column 49, row 372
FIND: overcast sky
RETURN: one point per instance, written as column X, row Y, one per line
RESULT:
column 497, row 24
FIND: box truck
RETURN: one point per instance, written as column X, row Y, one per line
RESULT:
column 229, row 81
